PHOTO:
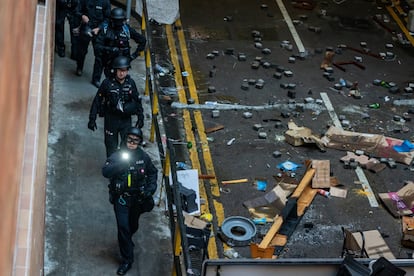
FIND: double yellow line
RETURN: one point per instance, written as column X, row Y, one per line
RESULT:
column 217, row 208
column 398, row 20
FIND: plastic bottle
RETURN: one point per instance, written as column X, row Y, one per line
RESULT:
column 342, row 82
column 374, row 105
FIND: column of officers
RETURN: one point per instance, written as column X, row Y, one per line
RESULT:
column 131, row 173
column 94, row 21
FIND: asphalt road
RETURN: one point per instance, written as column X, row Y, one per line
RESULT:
column 217, row 33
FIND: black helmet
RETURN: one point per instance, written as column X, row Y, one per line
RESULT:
column 121, row 62
column 134, row 131
column 118, row 14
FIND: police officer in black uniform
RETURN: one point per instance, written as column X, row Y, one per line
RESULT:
column 133, row 181
column 67, row 9
column 113, row 41
column 95, row 16
column 117, row 99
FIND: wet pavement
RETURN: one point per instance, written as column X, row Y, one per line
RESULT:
column 217, row 33
column 81, row 237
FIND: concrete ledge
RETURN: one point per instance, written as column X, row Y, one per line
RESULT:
column 28, row 254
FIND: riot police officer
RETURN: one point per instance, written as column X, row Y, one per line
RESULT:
column 67, row 9
column 95, row 16
column 133, row 181
column 114, row 39
column 117, row 99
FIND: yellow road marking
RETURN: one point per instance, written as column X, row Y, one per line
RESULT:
column 212, row 246
column 401, row 25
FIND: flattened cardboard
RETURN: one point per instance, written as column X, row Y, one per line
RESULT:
column 322, row 178
column 272, row 203
column 336, row 192
column 375, row 245
column 194, row 222
column 374, row 144
column 400, row 203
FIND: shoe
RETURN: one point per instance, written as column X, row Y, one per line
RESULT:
column 96, row 83
column 79, row 72
column 123, row 268
column 61, row 52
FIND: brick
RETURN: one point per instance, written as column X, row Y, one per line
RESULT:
column 247, row 115
column 394, row 90
column 266, row 51
column 241, row 57
column 277, row 75
column 257, row 126
column 258, row 45
column 245, row 86
column 251, row 81
column 255, row 65
column 229, row 51
column 211, row 89
column 309, row 100
column 280, row 69
column 276, row 154
column 266, row 64
column 255, row 33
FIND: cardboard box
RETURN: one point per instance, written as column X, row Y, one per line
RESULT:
column 375, row 246
column 407, row 232
column 400, row 203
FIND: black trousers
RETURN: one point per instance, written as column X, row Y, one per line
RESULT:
column 115, row 129
column 84, row 41
column 61, row 16
column 127, row 212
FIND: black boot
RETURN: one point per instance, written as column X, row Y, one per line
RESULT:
column 123, row 268
column 61, row 51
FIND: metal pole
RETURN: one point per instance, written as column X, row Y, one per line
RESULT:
column 128, row 10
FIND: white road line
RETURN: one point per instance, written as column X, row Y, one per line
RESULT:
column 367, row 188
column 291, row 27
column 331, row 110
column 359, row 172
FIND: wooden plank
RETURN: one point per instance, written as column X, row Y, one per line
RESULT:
column 306, row 180
column 271, row 233
column 213, row 129
column 305, row 199
column 235, row 181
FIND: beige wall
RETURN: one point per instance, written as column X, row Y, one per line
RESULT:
column 24, row 90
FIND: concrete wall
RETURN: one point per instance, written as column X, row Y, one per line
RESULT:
column 25, row 43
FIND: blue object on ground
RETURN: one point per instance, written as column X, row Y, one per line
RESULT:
column 288, row 166
column 261, row 185
column 406, row 146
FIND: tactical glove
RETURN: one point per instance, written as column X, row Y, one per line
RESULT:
column 139, row 123
column 134, row 55
column 147, row 194
column 92, row 125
